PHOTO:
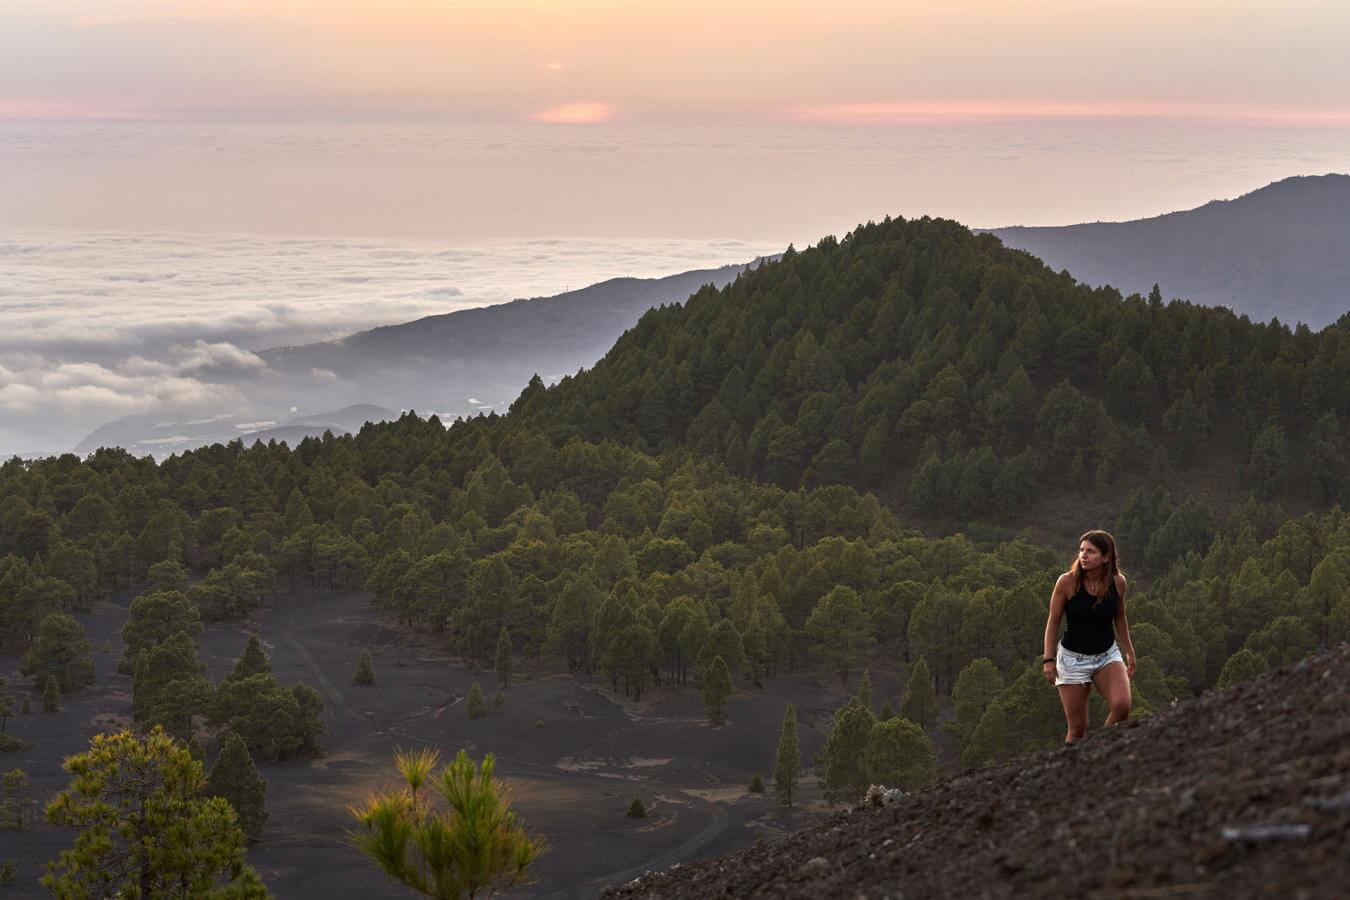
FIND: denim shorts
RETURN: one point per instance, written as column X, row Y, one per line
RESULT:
column 1078, row 668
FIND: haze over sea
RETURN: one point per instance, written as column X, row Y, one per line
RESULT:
column 139, row 259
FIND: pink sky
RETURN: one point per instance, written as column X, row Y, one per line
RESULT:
column 591, row 61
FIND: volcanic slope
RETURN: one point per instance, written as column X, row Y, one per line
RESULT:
column 1240, row 793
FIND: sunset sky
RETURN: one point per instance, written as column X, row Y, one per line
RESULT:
column 585, row 61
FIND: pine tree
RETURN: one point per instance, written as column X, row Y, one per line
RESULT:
column 865, row 689
column 1243, row 665
column 841, row 630
column 8, row 872
column 843, row 774
column 61, row 649
column 499, row 701
column 151, row 620
column 473, row 703
column 145, row 828
column 16, row 797
column 636, row 810
column 234, row 776
column 920, row 701
column 253, row 661
column 715, row 687
column 470, row 849
column 175, row 659
column 978, row 684
column 51, row 695
column 26, row 706
column 899, row 754
column 6, row 702
column 503, row 661
column 365, row 670
column 788, row 762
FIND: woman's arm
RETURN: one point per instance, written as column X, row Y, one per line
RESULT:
column 1122, row 628
column 1058, row 598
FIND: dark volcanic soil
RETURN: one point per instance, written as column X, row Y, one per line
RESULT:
column 1170, row 805
column 573, row 775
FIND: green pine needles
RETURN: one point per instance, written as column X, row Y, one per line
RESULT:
column 146, row 828
column 467, row 844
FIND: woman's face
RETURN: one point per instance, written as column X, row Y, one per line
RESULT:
column 1089, row 557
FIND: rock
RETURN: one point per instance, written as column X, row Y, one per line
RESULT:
column 815, row 867
column 1340, row 801
column 1257, row 833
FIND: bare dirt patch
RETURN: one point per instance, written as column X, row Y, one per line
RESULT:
column 417, row 700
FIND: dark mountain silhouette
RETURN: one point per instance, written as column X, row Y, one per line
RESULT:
column 1239, row 793
column 551, row 335
column 1281, row 251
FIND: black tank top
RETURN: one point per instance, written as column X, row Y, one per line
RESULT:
column 1091, row 630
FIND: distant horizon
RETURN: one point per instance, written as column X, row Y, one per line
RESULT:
column 427, row 184
column 607, row 60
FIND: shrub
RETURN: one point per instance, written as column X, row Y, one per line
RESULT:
column 636, row 810
column 365, row 671
column 51, row 695
column 499, row 701
column 473, row 704
column 10, row 744
column 756, row 785
column 538, row 723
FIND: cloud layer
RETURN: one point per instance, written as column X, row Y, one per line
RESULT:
column 99, row 325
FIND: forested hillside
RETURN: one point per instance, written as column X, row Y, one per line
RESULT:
column 966, row 382
column 748, row 485
column 597, row 558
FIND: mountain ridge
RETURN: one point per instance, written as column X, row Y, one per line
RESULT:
column 1276, row 252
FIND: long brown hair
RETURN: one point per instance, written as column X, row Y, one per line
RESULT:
column 1106, row 544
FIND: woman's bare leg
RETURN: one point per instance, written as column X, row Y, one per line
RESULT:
column 1114, row 684
column 1074, row 698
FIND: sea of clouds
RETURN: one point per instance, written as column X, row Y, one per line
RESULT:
column 94, row 326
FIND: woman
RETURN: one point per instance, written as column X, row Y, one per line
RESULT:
column 1092, row 597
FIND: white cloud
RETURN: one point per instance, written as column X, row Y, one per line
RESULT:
column 94, row 326
column 221, row 356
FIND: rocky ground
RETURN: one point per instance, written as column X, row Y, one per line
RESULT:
column 1240, row 793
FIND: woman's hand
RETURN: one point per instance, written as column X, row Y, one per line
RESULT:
column 1130, row 663
column 1048, row 670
